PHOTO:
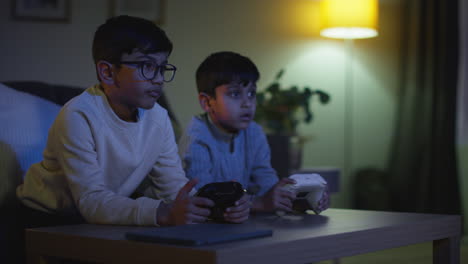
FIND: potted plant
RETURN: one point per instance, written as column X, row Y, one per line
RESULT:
column 280, row 110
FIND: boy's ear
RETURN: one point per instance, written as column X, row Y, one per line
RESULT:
column 105, row 72
column 204, row 100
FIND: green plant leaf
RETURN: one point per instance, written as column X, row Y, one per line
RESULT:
column 277, row 106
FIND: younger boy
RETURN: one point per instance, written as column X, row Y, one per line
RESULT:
column 111, row 156
column 224, row 143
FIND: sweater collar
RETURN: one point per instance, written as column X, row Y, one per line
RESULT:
column 112, row 116
column 217, row 132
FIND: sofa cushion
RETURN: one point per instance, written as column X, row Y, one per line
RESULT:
column 25, row 120
column 59, row 94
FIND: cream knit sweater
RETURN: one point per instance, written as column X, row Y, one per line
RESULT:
column 94, row 161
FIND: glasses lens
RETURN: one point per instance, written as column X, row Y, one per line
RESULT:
column 148, row 69
column 168, row 72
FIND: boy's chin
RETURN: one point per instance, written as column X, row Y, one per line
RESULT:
column 233, row 128
column 147, row 106
column 240, row 127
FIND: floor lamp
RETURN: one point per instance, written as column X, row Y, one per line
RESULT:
column 349, row 20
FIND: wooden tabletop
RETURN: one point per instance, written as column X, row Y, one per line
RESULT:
column 296, row 239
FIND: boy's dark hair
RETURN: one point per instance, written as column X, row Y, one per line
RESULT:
column 123, row 34
column 222, row 68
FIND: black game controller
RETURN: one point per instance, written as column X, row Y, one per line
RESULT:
column 223, row 194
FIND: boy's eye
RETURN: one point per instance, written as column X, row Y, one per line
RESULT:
column 234, row 94
column 252, row 94
column 149, row 66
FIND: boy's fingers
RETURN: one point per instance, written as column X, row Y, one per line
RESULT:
column 239, row 208
column 193, row 218
column 288, row 194
column 285, row 181
column 284, row 208
column 244, row 199
column 232, row 215
column 287, row 203
column 237, row 219
column 202, row 202
column 185, row 190
column 200, row 211
column 241, row 204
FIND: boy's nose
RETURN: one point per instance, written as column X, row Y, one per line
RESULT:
column 247, row 102
column 156, row 81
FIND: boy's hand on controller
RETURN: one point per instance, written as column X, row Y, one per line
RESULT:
column 277, row 198
column 240, row 211
column 185, row 209
column 324, row 202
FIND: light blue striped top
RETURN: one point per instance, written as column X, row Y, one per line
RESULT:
column 212, row 155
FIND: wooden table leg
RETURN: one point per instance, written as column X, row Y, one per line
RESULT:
column 446, row 251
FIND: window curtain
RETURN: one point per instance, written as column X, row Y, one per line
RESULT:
column 462, row 111
column 423, row 164
column 462, row 121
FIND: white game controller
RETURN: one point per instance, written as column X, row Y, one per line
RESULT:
column 309, row 189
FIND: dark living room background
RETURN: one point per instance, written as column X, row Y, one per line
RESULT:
column 408, row 90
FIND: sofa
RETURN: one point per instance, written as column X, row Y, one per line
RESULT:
column 27, row 110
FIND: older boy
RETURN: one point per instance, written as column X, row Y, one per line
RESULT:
column 225, row 143
column 111, row 156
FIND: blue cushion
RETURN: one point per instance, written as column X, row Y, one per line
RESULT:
column 25, row 120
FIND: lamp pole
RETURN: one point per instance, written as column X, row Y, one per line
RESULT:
column 349, row 20
column 348, row 109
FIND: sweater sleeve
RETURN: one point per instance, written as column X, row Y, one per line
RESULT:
column 77, row 155
column 197, row 160
column 167, row 175
column 263, row 176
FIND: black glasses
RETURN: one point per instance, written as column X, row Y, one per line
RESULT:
column 149, row 69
